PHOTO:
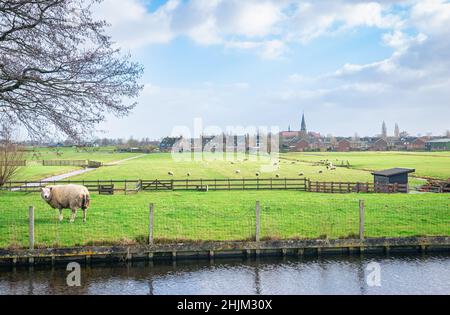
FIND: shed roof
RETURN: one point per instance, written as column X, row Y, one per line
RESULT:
column 394, row 171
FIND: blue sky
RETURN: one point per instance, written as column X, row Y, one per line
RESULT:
column 348, row 64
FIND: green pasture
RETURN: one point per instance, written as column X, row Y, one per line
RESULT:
column 426, row 164
column 101, row 154
column 35, row 171
column 197, row 216
column 157, row 166
column 214, row 165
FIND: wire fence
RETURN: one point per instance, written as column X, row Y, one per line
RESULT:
column 199, row 217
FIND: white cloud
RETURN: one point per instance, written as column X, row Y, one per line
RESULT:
column 250, row 18
column 265, row 26
column 314, row 19
column 132, row 26
column 271, row 49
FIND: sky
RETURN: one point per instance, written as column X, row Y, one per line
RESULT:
column 348, row 65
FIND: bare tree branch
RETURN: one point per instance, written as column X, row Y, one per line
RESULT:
column 59, row 69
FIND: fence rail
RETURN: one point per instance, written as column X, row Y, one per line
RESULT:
column 79, row 163
column 299, row 184
column 356, row 187
column 14, row 163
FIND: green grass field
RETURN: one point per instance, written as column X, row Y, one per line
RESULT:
column 196, row 216
column 426, row 164
column 154, row 166
column 157, row 166
column 35, row 171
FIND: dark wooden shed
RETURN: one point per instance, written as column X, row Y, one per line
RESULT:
column 393, row 176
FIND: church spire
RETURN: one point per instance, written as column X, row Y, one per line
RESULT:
column 303, row 127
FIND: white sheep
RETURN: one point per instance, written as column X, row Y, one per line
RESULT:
column 277, row 175
column 300, row 174
column 257, row 174
column 238, row 171
column 67, row 197
column 188, row 174
column 170, row 173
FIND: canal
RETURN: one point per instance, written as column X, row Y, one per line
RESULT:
column 399, row 274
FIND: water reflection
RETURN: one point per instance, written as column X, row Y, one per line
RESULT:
column 330, row 275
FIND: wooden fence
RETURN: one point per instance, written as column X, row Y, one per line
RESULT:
column 356, row 187
column 14, row 163
column 225, row 184
column 298, row 184
column 79, row 163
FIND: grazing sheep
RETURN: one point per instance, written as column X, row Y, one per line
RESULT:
column 238, row 171
column 257, row 174
column 170, row 173
column 277, row 175
column 320, row 172
column 300, row 174
column 188, row 174
column 67, row 197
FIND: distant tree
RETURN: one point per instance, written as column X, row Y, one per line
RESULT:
column 404, row 134
column 384, row 130
column 10, row 155
column 58, row 69
column 132, row 142
column 356, row 137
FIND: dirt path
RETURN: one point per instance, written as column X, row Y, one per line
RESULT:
column 124, row 160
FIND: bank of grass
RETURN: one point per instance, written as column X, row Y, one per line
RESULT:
column 220, row 216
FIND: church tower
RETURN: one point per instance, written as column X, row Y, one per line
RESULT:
column 303, row 130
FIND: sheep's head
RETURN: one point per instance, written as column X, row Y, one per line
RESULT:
column 46, row 193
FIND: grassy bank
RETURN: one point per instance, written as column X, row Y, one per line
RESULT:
column 224, row 216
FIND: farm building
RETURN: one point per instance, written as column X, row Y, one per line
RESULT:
column 438, row 145
column 393, row 176
column 301, row 145
column 417, row 144
column 379, row 145
column 343, row 146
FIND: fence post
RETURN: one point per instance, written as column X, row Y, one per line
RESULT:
column 31, row 227
column 150, row 224
column 257, row 222
column 361, row 219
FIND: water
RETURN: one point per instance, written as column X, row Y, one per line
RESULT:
column 417, row 274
